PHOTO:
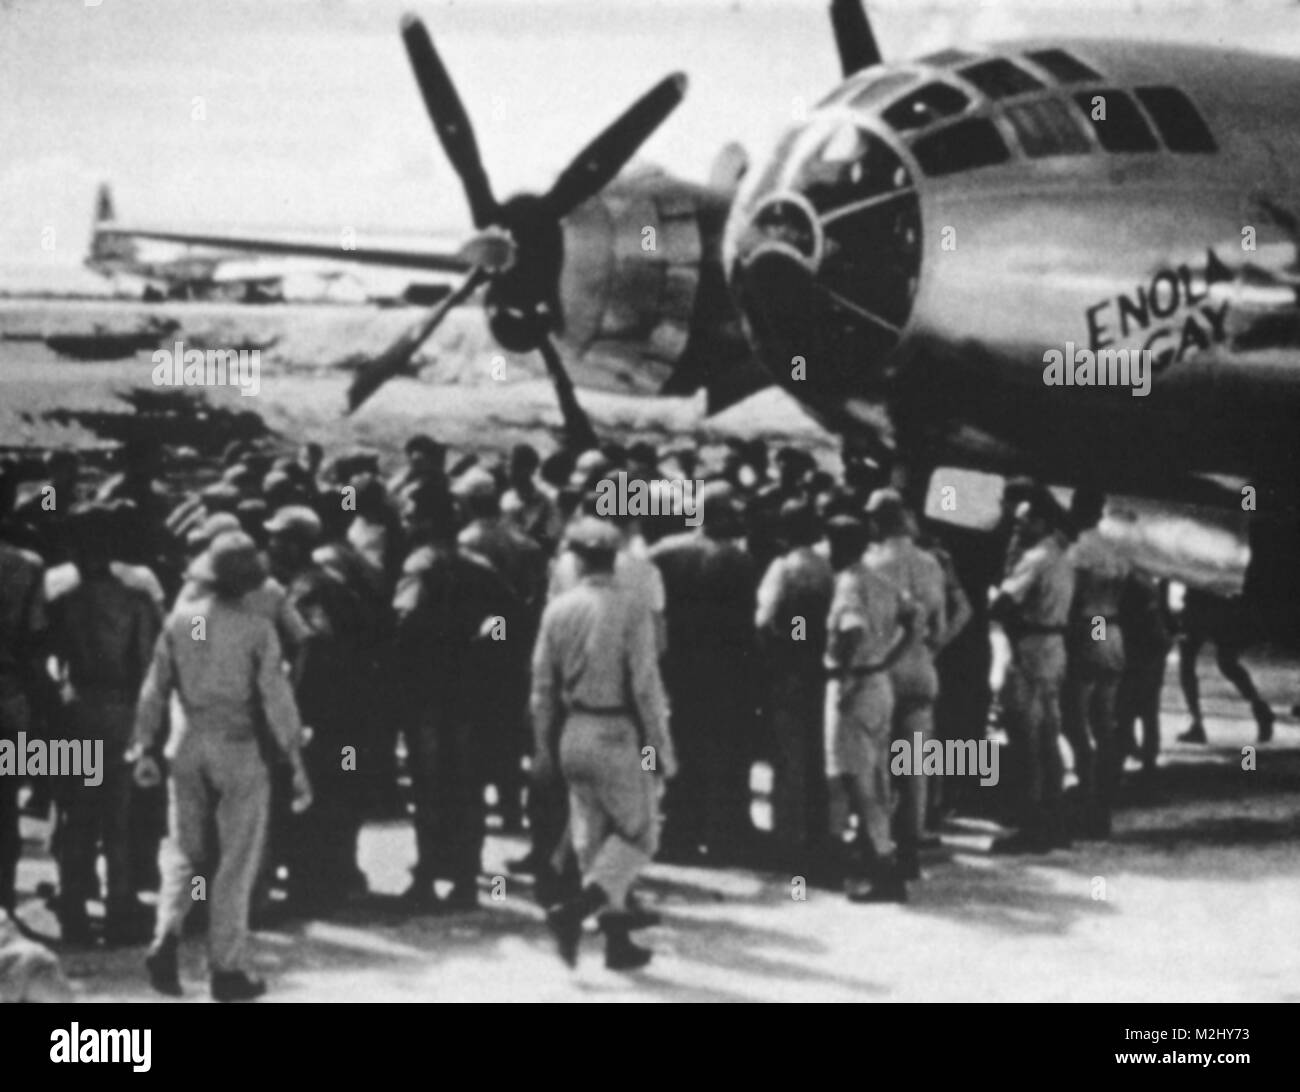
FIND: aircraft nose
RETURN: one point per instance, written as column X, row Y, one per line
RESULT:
column 782, row 225
column 824, row 256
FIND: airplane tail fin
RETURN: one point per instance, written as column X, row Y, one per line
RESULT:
column 105, row 213
column 108, row 250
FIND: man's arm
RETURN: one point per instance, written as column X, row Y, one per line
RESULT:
column 958, row 608
column 544, row 700
column 908, row 617
column 768, row 597
column 648, row 692
column 151, row 710
column 276, row 694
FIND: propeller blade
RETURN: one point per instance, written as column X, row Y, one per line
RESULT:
column 609, row 153
column 577, row 426
column 449, row 120
column 853, row 37
column 394, row 360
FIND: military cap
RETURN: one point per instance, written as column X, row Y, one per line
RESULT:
column 231, row 564
column 296, row 520
column 475, row 483
column 210, row 528
column 589, row 535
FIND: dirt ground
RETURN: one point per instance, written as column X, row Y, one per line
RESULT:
column 1201, row 895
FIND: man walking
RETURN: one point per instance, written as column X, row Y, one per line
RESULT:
column 601, row 717
column 222, row 658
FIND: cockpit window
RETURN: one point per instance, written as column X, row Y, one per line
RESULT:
column 869, row 86
column 1064, row 67
column 999, row 78
column 961, row 146
column 1118, row 123
column 881, row 89
column 1181, row 127
column 946, row 57
column 927, row 103
column 1047, row 127
column 848, row 165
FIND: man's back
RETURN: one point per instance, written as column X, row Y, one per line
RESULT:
column 105, row 630
column 797, row 585
column 223, row 659
column 710, row 588
column 864, row 601
column 596, row 651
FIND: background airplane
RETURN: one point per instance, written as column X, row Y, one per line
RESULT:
column 193, row 266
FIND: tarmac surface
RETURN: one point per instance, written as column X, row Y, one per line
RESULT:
column 1200, row 902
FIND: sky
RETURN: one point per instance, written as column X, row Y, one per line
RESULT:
column 304, row 113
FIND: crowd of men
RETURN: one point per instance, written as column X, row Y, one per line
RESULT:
column 263, row 654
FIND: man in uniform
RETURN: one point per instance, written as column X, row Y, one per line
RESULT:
column 1222, row 619
column 329, row 686
column 450, row 609
column 526, row 506
column 502, row 712
column 869, row 627
column 103, row 633
column 600, row 716
column 896, row 557
column 794, row 598
column 1095, row 646
column 1033, row 604
column 222, row 658
column 710, row 670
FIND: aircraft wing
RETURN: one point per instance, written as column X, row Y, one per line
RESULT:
column 391, row 257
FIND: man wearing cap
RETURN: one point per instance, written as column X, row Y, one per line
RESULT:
column 1033, row 605
column 221, row 657
column 1095, row 653
column 794, row 599
column 896, row 557
column 526, row 506
column 456, row 621
column 636, row 574
column 320, row 847
column 269, row 599
column 869, row 628
column 600, row 719
column 426, row 464
column 711, row 673
column 102, row 632
column 520, row 562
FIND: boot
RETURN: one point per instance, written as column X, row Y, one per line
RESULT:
column 161, row 963
column 1195, row 733
column 620, row 953
column 236, row 986
column 565, row 920
column 1020, row 842
column 126, row 924
column 74, row 925
column 420, row 897
column 887, row 885
column 638, row 915
column 908, row 863
column 463, row 896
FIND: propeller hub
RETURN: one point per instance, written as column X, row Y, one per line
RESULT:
column 523, row 300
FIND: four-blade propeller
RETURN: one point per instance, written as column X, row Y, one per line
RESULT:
column 518, row 249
